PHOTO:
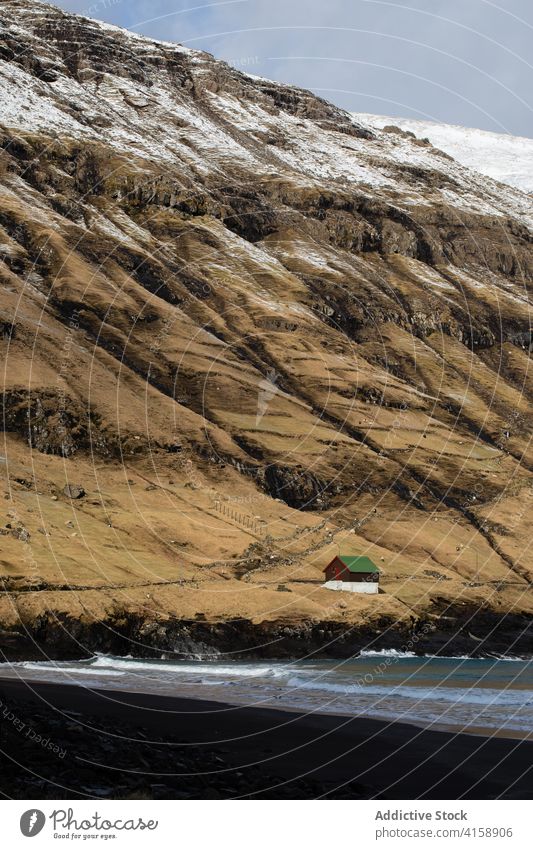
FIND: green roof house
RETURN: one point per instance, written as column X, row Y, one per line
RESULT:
column 353, row 573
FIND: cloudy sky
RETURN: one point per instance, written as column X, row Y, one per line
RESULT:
column 464, row 62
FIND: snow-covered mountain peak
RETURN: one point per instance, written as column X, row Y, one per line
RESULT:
column 501, row 156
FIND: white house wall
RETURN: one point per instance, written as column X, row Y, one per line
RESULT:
column 352, row 586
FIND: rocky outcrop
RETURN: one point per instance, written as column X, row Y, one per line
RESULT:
column 464, row 631
column 51, row 422
column 296, row 487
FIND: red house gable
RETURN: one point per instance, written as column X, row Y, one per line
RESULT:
column 337, row 571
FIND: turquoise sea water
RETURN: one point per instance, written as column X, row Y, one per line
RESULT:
column 488, row 695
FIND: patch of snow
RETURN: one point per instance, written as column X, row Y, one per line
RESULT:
column 262, row 79
column 506, row 158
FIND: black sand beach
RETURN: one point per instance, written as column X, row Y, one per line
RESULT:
column 71, row 742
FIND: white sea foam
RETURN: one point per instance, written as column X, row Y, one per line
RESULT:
column 387, row 653
column 452, row 695
column 66, row 669
column 179, row 668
